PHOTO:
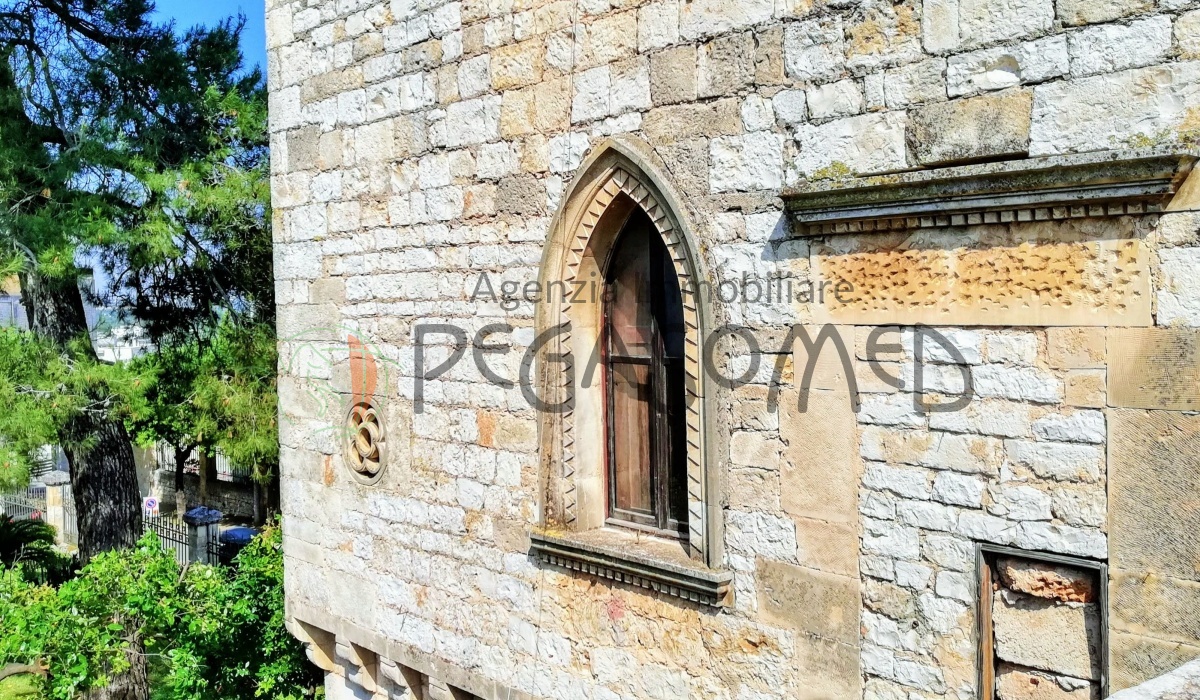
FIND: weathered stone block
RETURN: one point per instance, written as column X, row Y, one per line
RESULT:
column 824, row 605
column 1077, row 348
column 592, row 90
column 1041, row 580
column 1114, row 47
column 821, row 463
column 827, row 670
column 870, row 143
column 1136, row 658
column 607, row 39
column 916, row 83
column 701, row 18
column 1056, row 637
column 1153, row 605
column 543, row 108
column 748, row 489
column 939, row 25
column 1020, row 503
column 790, row 106
column 1179, row 228
column 977, row 127
column 332, row 84
column 1095, row 113
column 1007, row 66
column 1017, row 384
column 874, row 91
column 828, row 547
column 1187, row 35
column 750, row 162
column 1078, row 426
column 814, row 50
column 1056, row 460
column 658, row 25
column 630, row 86
column 517, row 65
column 468, row 122
column 521, row 194
column 757, row 115
column 688, row 121
column 840, row 99
column 986, row 417
column 1154, row 368
column 958, row 489
column 689, row 161
column 673, row 75
column 1178, row 294
column 1087, row 388
column 1092, row 11
column 725, row 65
column 769, row 68
column 982, row 22
column 1154, row 473
column 1013, row 683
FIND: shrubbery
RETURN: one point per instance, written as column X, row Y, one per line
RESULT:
column 211, row 633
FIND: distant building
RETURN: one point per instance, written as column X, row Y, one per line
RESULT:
column 115, row 339
column 12, row 313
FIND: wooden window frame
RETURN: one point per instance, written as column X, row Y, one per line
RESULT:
column 661, row 431
column 985, row 554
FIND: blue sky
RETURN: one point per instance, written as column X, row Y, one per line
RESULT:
column 189, row 13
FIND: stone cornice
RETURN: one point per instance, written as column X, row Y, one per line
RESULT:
column 616, row 560
column 1104, row 183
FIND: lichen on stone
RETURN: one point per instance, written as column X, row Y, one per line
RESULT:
column 837, row 170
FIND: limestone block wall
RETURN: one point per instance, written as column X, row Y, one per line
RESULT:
column 419, row 145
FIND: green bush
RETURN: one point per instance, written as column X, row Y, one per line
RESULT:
column 28, row 545
column 210, row 633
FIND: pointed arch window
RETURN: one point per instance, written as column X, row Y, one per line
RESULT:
column 644, row 362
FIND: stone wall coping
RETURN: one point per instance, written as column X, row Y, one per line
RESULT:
column 633, row 558
column 1095, row 184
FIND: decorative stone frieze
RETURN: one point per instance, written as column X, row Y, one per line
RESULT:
column 1105, row 184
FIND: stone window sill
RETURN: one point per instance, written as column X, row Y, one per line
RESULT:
column 635, row 559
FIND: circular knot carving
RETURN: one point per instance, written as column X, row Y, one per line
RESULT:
column 365, row 442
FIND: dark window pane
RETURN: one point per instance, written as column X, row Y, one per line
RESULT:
column 670, row 311
column 631, row 322
column 633, row 400
column 676, row 422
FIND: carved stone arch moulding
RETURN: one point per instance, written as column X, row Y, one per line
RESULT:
column 608, row 176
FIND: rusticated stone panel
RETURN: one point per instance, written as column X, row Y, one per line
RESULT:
column 1154, row 518
column 1078, row 273
column 1154, row 471
column 1135, row 658
column 1154, row 368
column 820, row 604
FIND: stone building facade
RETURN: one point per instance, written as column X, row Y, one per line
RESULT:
column 940, row 334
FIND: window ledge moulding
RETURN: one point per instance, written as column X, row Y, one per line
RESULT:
column 1096, row 184
column 626, row 557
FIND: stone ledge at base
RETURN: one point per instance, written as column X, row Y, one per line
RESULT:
column 623, row 557
column 323, row 633
column 1181, row 684
column 1098, row 184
